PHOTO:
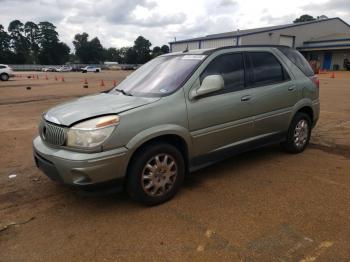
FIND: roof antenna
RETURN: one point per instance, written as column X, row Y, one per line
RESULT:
column 186, row 50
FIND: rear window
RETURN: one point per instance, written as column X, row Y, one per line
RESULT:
column 298, row 59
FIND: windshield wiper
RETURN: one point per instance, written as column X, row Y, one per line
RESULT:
column 123, row 92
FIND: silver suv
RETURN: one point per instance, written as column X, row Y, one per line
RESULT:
column 178, row 113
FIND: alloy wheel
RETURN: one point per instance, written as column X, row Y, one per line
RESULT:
column 159, row 175
column 301, row 133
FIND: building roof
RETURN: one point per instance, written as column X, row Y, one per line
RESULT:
column 256, row 30
column 208, row 51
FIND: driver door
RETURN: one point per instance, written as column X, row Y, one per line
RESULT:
column 221, row 119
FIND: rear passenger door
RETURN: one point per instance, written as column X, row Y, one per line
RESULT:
column 273, row 92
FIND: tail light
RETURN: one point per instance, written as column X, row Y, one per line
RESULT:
column 315, row 80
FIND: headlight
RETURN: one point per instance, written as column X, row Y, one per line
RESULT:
column 91, row 133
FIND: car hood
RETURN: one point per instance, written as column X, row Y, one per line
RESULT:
column 90, row 106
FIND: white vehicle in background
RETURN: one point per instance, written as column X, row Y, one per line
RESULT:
column 64, row 69
column 91, row 69
column 5, row 72
column 48, row 69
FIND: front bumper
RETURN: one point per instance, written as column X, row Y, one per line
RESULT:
column 80, row 169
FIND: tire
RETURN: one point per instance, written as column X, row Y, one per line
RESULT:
column 299, row 134
column 4, row 77
column 152, row 188
column 84, row 71
column 97, row 71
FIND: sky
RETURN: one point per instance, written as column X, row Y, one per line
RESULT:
column 117, row 23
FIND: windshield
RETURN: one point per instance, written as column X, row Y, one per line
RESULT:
column 160, row 76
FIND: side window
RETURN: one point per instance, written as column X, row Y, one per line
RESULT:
column 231, row 68
column 265, row 69
column 2, row 67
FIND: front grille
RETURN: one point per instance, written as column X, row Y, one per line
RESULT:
column 52, row 134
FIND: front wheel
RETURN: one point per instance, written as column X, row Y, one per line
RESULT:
column 299, row 134
column 156, row 173
column 4, row 77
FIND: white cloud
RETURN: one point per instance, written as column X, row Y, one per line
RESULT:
column 119, row 22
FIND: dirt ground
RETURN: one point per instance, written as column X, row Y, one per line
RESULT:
column 264, row 205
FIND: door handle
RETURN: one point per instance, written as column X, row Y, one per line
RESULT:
column 291, row 88
column 245, row 98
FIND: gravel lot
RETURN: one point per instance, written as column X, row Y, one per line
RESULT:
column 264, row 205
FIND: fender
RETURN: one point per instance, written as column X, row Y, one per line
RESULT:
column 157, row 131
column 304, row 102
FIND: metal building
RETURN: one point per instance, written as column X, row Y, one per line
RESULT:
column 325, row 42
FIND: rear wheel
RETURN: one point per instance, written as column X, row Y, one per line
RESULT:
column 4, row 77
column 299, row 134
column 156, row 174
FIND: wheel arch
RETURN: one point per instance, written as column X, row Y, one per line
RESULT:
column 181, row 142
column 304, row 106
column 308, row 111
column 4, row 73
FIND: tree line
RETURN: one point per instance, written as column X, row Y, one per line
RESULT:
column 31, row 43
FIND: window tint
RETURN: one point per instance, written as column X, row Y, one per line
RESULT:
column 231, row 68
column 297, row 59
column 2, row 67
column 265, row 69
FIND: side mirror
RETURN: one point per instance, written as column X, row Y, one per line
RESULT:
column 210, row 84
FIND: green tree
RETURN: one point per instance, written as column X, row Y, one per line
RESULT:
column 31, row 31
column 81, row 45
column 142, row 49
column 62, row 53
column 112, row 55
column 52, row 51
column 131, row 56
column 304, row 18
column 88, row 51
column 156, row 51
column 95, row 51
column 19, row 43
column 123, row 54
column 165, row 49
column 6, row 55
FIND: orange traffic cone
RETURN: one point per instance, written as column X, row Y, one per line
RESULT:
column 56, row 78
column 114, row 83
column 62, row 79
column 46, row 78
column 86, row 85
column 332, row 75
column 102, row 83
